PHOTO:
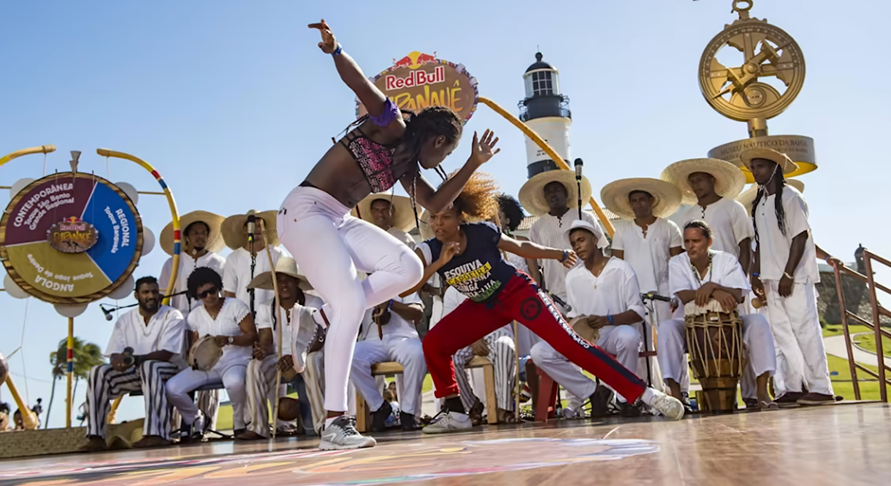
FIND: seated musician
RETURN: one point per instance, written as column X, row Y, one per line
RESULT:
column 145, row 346
column 701, row 275
column 604, row 293
column 262, row 370
column 391, row 335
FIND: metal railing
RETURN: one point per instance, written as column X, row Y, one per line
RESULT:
column 877, row 313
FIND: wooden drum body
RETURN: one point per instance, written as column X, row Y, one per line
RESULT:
column 714, row 342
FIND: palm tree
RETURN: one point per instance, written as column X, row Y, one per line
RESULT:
column 86, row 356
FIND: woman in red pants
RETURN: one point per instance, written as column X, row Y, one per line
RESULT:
column 469, row 257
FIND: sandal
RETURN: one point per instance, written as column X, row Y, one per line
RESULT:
column 476, row 412
column 768, row 405
column 506, row 417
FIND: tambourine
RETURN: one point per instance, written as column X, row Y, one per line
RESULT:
column 581, row 327
column 205, row 354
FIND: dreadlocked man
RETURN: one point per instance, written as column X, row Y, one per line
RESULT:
column 330, row 246
column 468, row 257
column 785, row 269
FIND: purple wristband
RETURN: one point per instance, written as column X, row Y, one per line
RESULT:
column 391, row 111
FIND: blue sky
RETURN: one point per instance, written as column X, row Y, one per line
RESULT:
column 233, row 103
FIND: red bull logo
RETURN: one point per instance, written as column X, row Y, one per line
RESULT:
column 72, row 235
column 416, row 78
column 414, row 60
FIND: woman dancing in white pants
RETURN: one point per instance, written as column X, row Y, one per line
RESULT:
column 331, row 246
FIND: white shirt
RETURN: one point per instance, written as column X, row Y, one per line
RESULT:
column 226, row 324
column 403, row 237
column 729, row 221
column 187, row 265
column 613, row 292
column 237, row 274
column 774, row 246
column 517, row 261
column 549, row 231
column 397, row 328
column 725, row 271
column 165, row 331
column 265, row 319
column 648, row 256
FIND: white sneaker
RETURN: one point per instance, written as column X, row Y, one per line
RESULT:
column 448, row 422
column 670, row 407
column 342, row 434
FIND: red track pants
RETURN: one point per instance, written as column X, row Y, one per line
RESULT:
column 521, row 301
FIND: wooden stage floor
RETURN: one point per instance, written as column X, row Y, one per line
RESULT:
column 841, row 445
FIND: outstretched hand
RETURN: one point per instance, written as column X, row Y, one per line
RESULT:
column 483, row 149
column 329, row 43
column 571, row 259
column 448, row 251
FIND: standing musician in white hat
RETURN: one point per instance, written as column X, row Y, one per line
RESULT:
column 390, row 213
column 604, row 294
column 699, row 276
column 261, row 372
column 202, row 240
column 785, row 273
column 646, row 240
column 237, row 273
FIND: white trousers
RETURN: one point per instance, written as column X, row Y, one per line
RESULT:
column 801, row 357
column 756, row 338
column 105, row 384
column 621, row 341
column 187, row 380
column 405, row 351
column 503, row 356
column 331, row 247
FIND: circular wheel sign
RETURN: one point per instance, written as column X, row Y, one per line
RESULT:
column 70, row 238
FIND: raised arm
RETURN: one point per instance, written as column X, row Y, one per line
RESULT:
column 437, row 200
column 448, row 251
column 350, row 72
column 528, row 249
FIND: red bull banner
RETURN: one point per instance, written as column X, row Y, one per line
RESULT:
column 420, row 80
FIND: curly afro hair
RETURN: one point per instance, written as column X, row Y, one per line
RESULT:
column 478, row 200
column 202, row 276
column 512, row 210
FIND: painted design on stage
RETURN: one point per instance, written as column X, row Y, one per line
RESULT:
column 391, row 464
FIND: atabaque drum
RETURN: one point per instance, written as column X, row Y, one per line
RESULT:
column 714, row 342
column 205, row 354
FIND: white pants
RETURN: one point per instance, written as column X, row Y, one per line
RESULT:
column 756, row 338
column 314, row 379
column 105, row 384
column 621, row 341
column 801, row 358
column 187, row 380
column 331, row 247
column 405, row 351
column 503, row 357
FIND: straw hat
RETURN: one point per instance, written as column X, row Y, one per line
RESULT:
column 285, row 265
column 233, row 229
column 748, row 196
column 424, row 226
column 780, row 159
column 213, row 221
column 666, row 197
column 729, row 179
column 403, row 216
column 532, row 193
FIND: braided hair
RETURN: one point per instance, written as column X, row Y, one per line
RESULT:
column 512, row 210
column 780, row 182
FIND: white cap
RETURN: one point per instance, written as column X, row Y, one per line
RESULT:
column 594, row 229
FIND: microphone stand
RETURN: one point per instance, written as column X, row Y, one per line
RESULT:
column 649, row 299
column 578, row 182
column 251, row 219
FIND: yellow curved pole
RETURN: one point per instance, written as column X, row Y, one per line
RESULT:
column 548, row 150
column 170, row 202
column 176, row 232
column 43, row 149
column 29, row 418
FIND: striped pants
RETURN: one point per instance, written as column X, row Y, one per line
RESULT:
column 208, row 402
column 314, row 380
column 260, row 388
column 503, row 357
column 105, row 384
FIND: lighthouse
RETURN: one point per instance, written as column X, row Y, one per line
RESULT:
column 546, row 111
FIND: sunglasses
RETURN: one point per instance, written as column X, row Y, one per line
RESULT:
column 210, row 291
